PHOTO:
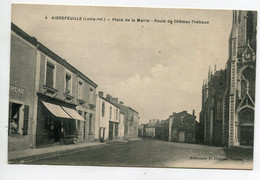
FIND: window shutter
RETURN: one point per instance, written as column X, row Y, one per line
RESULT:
column 25, row 120
column 9, row 116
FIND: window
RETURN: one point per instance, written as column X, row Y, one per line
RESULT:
column 90, row 123
column 110, row 113
column 80, row 90
column 182, row 119
column 91, row 95
column 116, row 114
column 103, row 109
column 14, row 117
column 68, row 84
column 50, row 75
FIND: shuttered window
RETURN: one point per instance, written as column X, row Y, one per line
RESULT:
column 103, row 109
column 68, row 84
column 90, row 123
column 80, row 90
column 50, row 75
column 26, row 120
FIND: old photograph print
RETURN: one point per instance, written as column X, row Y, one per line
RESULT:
column 132, row 87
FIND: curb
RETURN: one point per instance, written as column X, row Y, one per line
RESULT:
column 25, row 160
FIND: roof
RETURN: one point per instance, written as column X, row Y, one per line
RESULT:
column 118, row 104
column 181, row 114
column 101, row 97
column 45, row 50
column 153, row 123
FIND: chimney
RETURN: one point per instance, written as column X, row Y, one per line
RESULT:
column 193, row 112
column 115, row 99
column 150, row 122
column 100, row 93
column 108, row 97
column 121, row 102
column 173, row 113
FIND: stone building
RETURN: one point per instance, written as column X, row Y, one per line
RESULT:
column 212, row 107
column 183, row 127
column 50, row 100
column 228, row 96
column 109, row 120
column 131, row 118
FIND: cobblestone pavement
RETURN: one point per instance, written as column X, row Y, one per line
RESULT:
column 155, row 153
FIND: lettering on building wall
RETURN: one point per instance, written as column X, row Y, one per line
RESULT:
column 16, row 89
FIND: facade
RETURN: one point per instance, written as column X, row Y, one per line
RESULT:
column 212, row 107
column 162, row 130
column 131, row 118
column 109, row 120
column 57, row 100
column 22, row 90
column 227, row 114
column 150, row 127
column 141, row 130
column 183, row 127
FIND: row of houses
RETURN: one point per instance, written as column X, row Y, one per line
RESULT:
column 228, row 96
column 50, row 101
column 179, row 127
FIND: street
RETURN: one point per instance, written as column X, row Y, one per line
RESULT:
column 154, row 153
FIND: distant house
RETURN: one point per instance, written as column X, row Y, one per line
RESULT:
column 150, row 127
column 162, row 130
column 183, row 127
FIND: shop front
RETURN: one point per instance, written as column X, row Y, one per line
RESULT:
column 56, row 122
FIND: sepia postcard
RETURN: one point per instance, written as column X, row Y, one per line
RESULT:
column 132, row 87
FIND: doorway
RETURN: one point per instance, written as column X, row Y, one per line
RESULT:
column 181, row 136
column 246, row 124
column 110, row 135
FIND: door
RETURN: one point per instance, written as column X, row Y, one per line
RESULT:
column 116, row 130
column 110, row 134
column 246, row 123
column 247, row 135
column 181, row 136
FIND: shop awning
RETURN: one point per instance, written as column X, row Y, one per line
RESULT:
column 56, row 110
column 73, row 113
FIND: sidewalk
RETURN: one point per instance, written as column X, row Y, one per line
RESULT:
column 28, row 155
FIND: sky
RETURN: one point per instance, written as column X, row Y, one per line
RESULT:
column 156, row 68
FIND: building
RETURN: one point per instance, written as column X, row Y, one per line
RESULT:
column 162, row 130
column 183, row 127
column 141, row 130
column 50, row 100
column 131, row 118
column 212, row 102
column 228, row 114
column 109, row 120
column 150, row 127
